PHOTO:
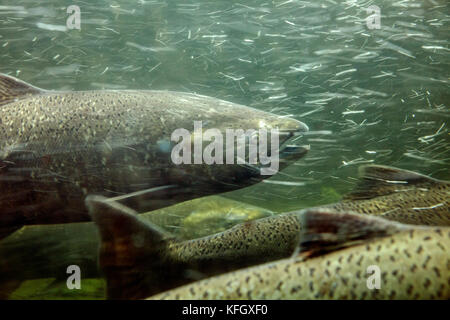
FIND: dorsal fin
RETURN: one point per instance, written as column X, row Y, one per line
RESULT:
column 377, row 180
column 12, row 89
column 324, row 230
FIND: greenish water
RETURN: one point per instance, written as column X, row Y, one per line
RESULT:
column 369, row 96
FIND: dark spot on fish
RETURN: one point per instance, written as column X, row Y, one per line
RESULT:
column 426, row 262
column 427, row 238
column 392, row 295
column 427, row 283
column 311, row 272
column 331, row 292
column 440, row 292
column 438, row 273
column 407, row 253
column 359, row 261
column 295, row 289
column 409, row 289
column 311, row 286
column 419, row 249
column 413, row 268
column 279, row 285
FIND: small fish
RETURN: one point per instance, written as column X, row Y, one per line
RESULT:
column 56, row 147
column 342, row 256
column 398, row 195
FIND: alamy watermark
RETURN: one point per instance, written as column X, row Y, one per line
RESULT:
column 235, row 140
column 373, row 21
column 374, row 280
column 74, row 280
column 74, row 20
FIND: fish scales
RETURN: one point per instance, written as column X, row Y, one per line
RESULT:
column 398, row 195
column 414, row 264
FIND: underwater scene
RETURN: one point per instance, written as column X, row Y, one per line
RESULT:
column 226, row 150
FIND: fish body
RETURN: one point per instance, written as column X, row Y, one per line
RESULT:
column 339, row 254
column 254, row 242
column 398, row 195
column 57, row 147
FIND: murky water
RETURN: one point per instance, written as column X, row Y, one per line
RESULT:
column 368, row 95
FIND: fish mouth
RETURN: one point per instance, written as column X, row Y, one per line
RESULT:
column 291, row 152
column 290, row 147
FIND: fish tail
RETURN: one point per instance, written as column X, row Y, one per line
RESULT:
column 132, row 254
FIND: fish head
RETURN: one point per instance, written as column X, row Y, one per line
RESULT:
column 236, row 146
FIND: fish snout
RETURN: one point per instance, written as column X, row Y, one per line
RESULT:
column 290, row 127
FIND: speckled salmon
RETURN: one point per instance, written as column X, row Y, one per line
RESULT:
column 399, row 195
column 338, row 254
column 246, row 244
column 57, row 147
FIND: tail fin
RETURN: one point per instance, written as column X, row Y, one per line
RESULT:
column 12, row 88
column 324, row 230
column 132, row 252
